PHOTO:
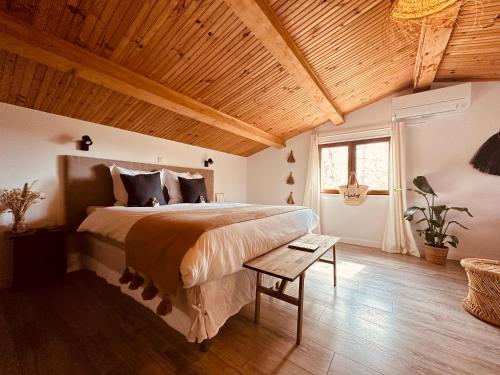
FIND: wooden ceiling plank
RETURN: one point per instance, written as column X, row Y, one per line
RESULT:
column 181, row 48
column 22, row 39
column 138, row 23
column 363, row 32
column 149, row 34
column 57, row 91
column 40, row 95
column 61, row 100
column 42, row 14
column 28, row 79
column 219, row 41
column 267, row 28
column 17, row 81
column 434, row 38
column 177, row 22
column 328, row 19
column 78, row 97
column 7, row 76
column 329, row 23
column 35, row 85
column 238, row 56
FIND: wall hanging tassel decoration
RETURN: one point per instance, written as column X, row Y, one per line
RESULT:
column 487, row 158
column 291, row 159
column 290, row 180
column 290, row 199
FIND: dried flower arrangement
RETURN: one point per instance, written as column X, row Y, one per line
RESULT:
column 18, row 201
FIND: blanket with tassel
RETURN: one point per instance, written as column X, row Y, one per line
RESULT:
column 156, row 245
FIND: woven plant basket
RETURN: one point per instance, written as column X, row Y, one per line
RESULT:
column 435, row 255
column 483, row 300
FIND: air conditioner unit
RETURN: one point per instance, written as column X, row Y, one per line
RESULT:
column 443, row 101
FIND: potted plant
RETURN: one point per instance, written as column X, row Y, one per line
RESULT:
column 435, row 235
column 18, row 201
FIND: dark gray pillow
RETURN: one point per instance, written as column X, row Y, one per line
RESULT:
column 142, row 188
column 192, row 189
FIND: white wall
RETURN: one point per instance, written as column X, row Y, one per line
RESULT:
column 269, row 169
column 439, row 148
column 31, row 140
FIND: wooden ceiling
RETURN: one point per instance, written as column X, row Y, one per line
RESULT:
column 202, row 49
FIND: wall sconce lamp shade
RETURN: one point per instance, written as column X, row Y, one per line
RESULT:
column 208, row 162
column 85, row 143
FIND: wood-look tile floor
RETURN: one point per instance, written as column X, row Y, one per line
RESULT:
column 390, row 314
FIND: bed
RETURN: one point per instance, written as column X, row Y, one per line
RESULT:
column 213, row 284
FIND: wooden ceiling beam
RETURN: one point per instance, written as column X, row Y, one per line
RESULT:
column 434, row 37
column 23, row 39
column 266, row 27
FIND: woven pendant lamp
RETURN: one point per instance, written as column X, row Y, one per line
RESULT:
column 414, row 10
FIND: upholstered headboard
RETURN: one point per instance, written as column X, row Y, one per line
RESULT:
column 87, row 182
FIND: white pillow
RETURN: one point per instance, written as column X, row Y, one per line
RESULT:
column 119, row 190
column 173, row 185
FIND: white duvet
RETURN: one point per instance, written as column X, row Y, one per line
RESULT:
column 218, row 252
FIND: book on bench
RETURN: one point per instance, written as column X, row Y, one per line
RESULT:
column 302, row 245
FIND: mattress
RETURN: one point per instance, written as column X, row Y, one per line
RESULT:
column 218, row 252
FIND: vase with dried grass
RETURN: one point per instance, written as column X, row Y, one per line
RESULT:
column 17, row 201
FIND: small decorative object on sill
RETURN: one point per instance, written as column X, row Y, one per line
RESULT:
column 18, row 201
column 155, row 203
column 436, row 235
column 290, row 199
column 219, row 197
column 487, row 158
column 290, row 180
column 290, row 159
column 353, row 193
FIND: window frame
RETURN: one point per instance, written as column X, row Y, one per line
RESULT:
column 351, row 160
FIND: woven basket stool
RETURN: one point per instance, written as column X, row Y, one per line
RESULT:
column 483, row 300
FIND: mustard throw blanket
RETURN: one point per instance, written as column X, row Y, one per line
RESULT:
column 156, row 244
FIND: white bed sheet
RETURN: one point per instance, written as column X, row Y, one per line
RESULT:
column 218, row 252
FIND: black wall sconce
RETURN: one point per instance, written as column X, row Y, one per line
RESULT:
column 208, row 162
column 85, row 143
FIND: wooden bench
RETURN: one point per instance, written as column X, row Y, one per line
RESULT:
column 288, row 265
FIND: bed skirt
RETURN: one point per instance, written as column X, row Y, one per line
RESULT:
column 198, row 312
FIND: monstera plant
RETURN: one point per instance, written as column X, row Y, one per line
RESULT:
column 435, row 234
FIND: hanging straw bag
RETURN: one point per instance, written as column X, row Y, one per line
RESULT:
column 353, row 193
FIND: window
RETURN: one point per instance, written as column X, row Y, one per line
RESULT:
column 369, row 158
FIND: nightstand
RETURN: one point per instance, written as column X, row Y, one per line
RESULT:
column 39, row 257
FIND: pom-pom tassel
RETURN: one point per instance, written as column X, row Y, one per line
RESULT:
column 136, row 282
column 149, row 291
column 164, row 307
column 125, row 277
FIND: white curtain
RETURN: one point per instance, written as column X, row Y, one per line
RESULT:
column 398, row 237
column 312, row 188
